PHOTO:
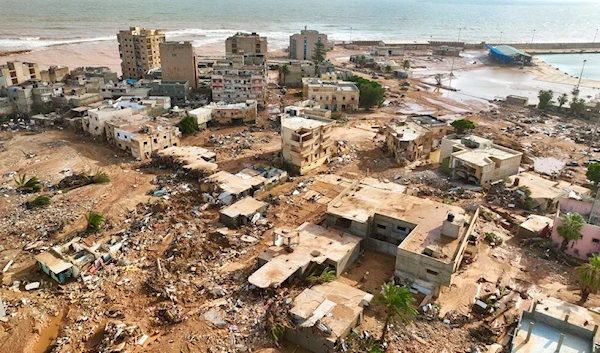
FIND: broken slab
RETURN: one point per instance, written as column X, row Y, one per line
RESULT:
column 215, row 316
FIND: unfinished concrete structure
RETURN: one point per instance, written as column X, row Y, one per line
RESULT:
column 302, row 45
column 292, row 73
column 314, row 247
column 407, row 140
column 178, row 62
column 478, row 160
column 324, row 314
column 428, row 238
column 332, row 95
column 554, row 326
column 245, row 211
column 143, row 137
column 246, row 44
column 306, row 142
column 139, row 51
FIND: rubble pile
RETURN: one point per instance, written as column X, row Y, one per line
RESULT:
column 233, row 144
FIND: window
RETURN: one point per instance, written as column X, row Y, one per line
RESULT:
column 343, row 223
column 145, row 143
column 431, row 272
column 597, row 241
column 118, row 134
column 381, row 226
column 402, row 229
column 155, row 140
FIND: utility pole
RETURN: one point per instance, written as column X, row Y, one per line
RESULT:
column 595, row 35
column 580, row 75
column 532, row 36
column 350, row 35
column 500, row 41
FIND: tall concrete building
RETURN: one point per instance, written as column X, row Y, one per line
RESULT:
column 16, row 72
column 139, row 50
column 178, row 62
column 246, row 44
column 302, row 45
column 239, row 79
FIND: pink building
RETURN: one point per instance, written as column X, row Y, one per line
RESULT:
column 590, row 240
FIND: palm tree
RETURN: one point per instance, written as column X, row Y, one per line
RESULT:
column 98, row 177
column 589, row 277
column 397, row 302
column 570, row 229
column 283, row 71
column 28, row 185
column 94, row 222
column 562, row 100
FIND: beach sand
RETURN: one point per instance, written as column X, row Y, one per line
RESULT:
column 104, row 53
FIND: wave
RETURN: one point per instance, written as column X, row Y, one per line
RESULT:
column 31, row 43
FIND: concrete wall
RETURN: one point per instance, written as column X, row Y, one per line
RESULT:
column 302, row 45
column 418, row 266
column 309, row 338
column 347, row 225
column 178, row 62
column 559, row 324
column 95, row 121
column 571, row 205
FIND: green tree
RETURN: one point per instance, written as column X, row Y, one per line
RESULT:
column 388, row 68
column 95, row 221
column 188, row 125
column 570, row 229
column 462, row 126
column 319, row 54
column 545, row 97
column 397, row 302
column 406, row 64
column 371, row 92
column 562, row 100
column 360, row 61
column 28, row 186
column 589, row 277
column 593, row 173
column 283, row 71
column 577, row 106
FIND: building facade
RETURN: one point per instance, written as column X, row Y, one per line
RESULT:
column 239, row 80
column 407, row 140
column 17, row 72
column 139, row 49
column 178, row 62
column 96, row 119
column 332, row 95
column 302, row 45
column 142, row 138
column 306, row 142
column 246, row 44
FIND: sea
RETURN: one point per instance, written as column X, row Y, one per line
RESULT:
column 37, row 24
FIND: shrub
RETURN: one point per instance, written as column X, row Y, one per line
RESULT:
column 29, row 186
column 95, row 221
column 493, row 239
column 99, row 177
column 39, row 202
column 188, row 125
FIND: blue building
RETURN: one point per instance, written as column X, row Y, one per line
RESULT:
column 507, row 55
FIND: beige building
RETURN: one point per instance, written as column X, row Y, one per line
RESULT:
column 142, row 137
column 246, row 44
column 332, row 95
column 139, row 51
column 54, row 74
column 302, row 45
column 178, row 62
column 415, row 137
column 306, row 142
column 428, row 238
column 239, row 80
column 17, row 72
column 478, row 160
column 96, row 119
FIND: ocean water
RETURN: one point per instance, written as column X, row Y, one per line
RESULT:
column 32, row 24
column 572, row 64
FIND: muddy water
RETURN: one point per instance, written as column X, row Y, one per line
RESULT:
column 49, row 334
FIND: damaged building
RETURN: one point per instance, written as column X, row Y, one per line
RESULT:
column 478, row 160
column 245, row 211
column 295, row 253
column 427, row 238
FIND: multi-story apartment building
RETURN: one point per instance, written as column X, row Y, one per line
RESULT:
column 306, row 141
column 54, row 74
column 240, row 79
column 178, row 62
column 302, row 45
column 246, row 44
column 332, row 95
column 414, row 138
column 139, row 50
column 17, row 72
column 96, row 119
column 142, row 138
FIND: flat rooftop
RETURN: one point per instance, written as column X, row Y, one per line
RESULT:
column 542, row 188
column 536, row 223
column 340, row 85
column 549, row 322
column 407, row 131
column 244, row 207
column 404, row 42
column 316, row 244
column 54, row 261
column 334, row 304
column 235, row 184
column 366, row 200
column 303, row 122
column 192, row 158
column 481, row 156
